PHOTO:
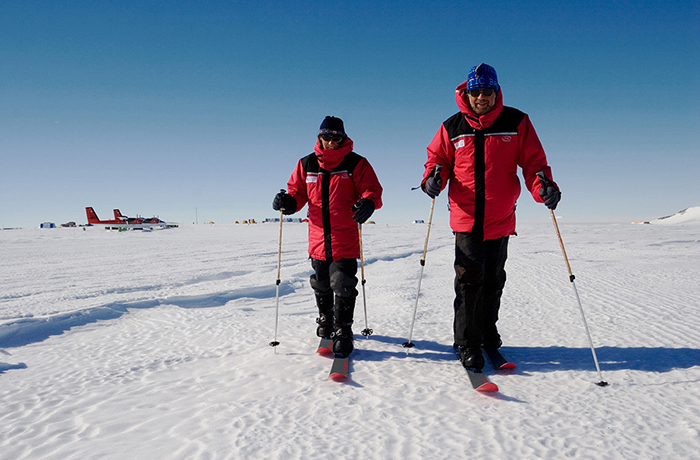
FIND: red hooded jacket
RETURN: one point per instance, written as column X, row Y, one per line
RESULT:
column 480, row 156
column 331, row 181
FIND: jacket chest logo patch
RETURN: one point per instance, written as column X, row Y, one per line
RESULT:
column 460, row 143
column 311, row 179
column 507, row 138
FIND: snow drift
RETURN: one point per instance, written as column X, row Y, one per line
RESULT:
column 687, row 215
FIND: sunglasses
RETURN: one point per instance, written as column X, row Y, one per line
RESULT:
column 486, row 92
column 331, row 138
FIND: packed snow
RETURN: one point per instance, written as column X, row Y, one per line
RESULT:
column 154, row 345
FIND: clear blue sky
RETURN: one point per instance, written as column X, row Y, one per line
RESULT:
column 167, row 107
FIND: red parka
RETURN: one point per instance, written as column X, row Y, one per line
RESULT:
column 480, row 156
column 331, row 181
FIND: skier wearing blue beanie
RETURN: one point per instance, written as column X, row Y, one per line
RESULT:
column 479, row 150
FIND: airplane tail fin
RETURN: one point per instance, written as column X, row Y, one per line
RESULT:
column 91, row 216
column 118, row 215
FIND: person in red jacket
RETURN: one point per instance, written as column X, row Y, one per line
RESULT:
column 342, row 191
column 479, row 150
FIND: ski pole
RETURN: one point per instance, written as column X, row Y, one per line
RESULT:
column 274, row 343
column 544, row 181
column 409, row 344
column 366, row 331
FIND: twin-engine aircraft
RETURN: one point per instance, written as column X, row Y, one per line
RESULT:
column 121, row 221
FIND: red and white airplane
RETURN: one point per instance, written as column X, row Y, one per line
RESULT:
column 122, row 221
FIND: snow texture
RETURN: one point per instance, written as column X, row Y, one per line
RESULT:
column 154, row 345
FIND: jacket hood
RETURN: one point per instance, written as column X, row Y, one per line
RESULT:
column 328, row 159
column 477, row 121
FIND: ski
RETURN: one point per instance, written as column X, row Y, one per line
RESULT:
column 325, row 346
column 477, row 378
column 340, row 370
column 497, row 360
column 479, row 381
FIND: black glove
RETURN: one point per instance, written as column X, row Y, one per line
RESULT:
column 548, row 191
column 284, row 202
column 433, row 184
column 551, row 196
column 362, row 210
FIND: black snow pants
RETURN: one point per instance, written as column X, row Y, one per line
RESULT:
column 479, row 279
column 338, row 277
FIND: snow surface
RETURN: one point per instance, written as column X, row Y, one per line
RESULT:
column 154, row 345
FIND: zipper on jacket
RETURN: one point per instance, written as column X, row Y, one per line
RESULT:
column 326, row 212
column 479, row 183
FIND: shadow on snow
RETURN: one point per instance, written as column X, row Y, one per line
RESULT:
column 32, row 330
column 7, row 367
column 549, row 359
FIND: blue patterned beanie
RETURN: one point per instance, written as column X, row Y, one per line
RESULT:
column 333, row 126
column 482, row 76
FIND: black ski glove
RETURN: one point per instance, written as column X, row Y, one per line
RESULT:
column 284, row 202
column 362, row 210
column 551, row 196
column 549, row 193
column 433, row 184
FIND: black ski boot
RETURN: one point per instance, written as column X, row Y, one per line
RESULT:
column 342, row 341
column 343, row 312
column 325, row 316
column 471, row 358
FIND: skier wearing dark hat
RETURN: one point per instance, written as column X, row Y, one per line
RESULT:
column 480, row 149
column 341, row 190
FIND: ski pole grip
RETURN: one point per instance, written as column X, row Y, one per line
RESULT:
column 283, row 191
column 543, row 179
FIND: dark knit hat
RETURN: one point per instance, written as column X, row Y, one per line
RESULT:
column 482, row 76
column 332, row 126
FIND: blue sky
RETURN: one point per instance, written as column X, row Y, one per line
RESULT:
column 184, row 109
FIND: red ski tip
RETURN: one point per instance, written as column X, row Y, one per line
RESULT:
column 337, row 376
column 488, row 386
column 507, row 366
column 324, row 347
